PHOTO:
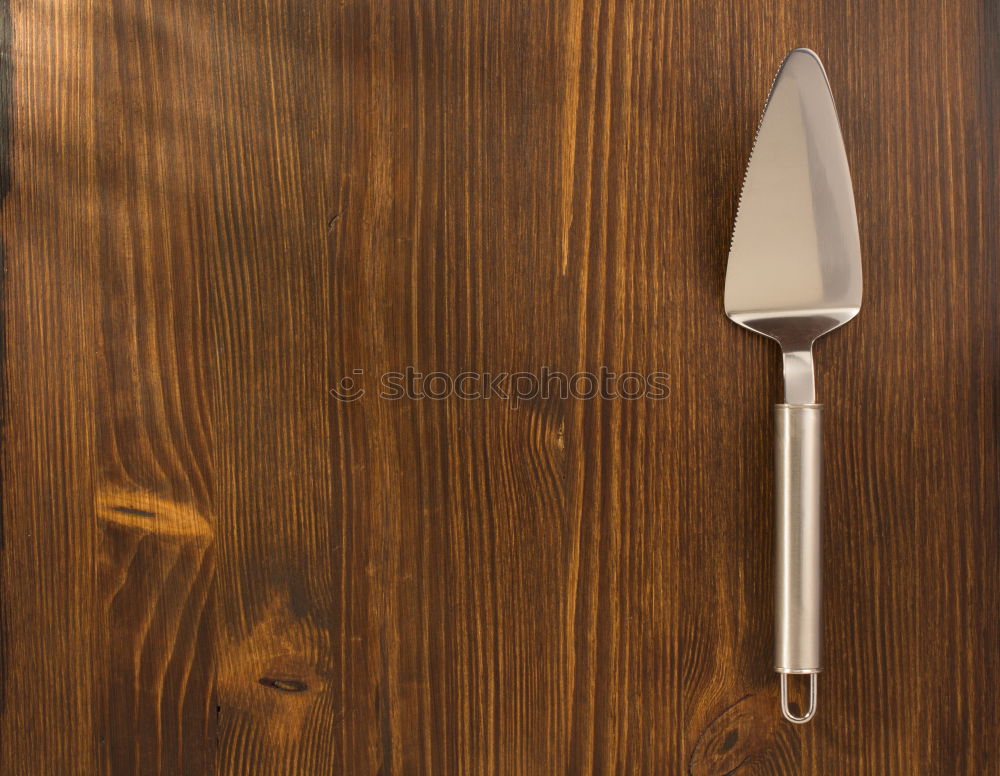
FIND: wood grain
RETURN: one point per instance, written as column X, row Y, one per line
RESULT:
column 214, row 212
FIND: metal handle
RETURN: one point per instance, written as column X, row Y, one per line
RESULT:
column 798, row 623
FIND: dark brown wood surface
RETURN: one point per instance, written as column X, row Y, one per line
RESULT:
column 215, row 211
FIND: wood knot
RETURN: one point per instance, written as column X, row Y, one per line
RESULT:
column 285, row 685
column 133, row 511
column 142, row 512
column 750, row 730
column 276, row 672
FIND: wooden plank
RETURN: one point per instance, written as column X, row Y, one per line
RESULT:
column 302, row 501
column 155, row 553
column 49, row 635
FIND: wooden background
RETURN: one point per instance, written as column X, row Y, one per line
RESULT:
column 214, row 211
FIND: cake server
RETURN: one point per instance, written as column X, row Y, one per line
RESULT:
column 794, row 274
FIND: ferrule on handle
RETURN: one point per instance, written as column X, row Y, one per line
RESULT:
column 798, row 623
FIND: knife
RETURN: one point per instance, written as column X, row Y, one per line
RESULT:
column 794, row 274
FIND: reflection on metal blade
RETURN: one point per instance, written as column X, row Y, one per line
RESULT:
column 795, row 246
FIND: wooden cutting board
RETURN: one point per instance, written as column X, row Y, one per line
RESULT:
column 215, row 212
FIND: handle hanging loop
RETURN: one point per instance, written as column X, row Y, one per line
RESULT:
column 813, row 692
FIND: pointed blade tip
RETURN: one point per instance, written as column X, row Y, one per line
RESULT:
column 804, row 52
